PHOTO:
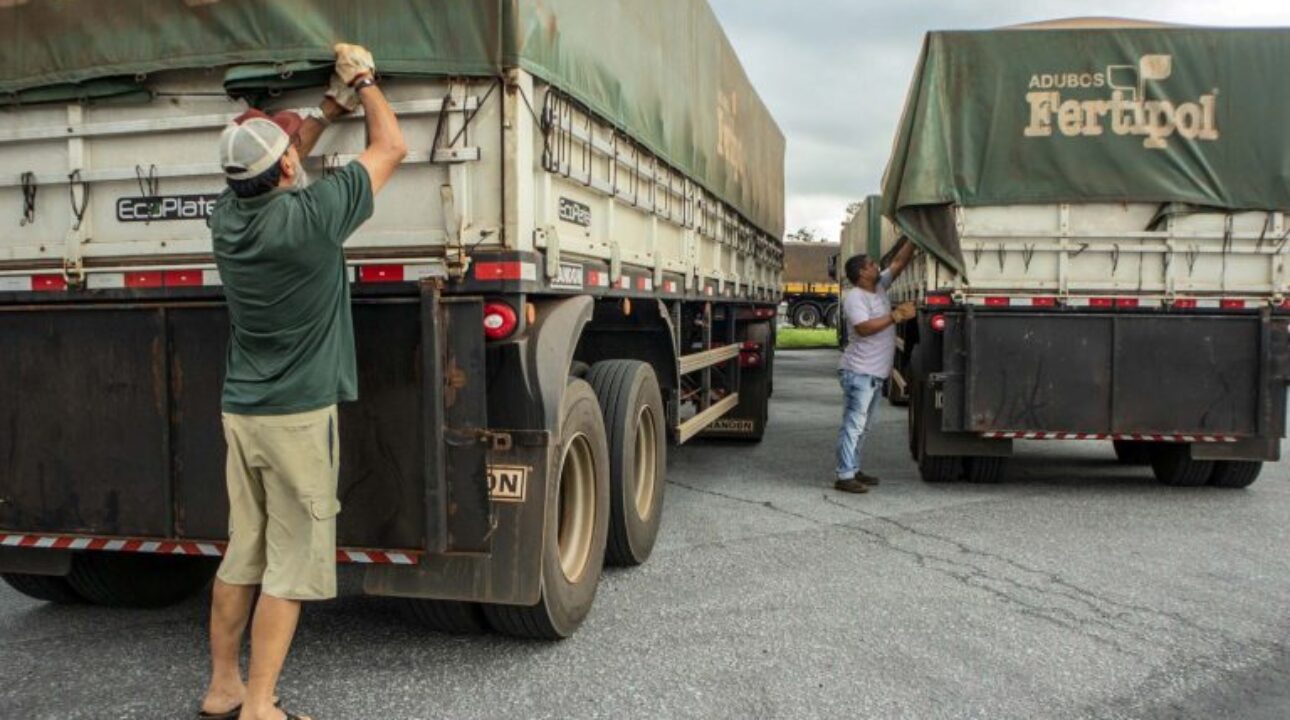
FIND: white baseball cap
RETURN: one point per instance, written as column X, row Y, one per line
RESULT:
column 254, row 141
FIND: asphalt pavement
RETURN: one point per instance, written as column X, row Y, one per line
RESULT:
column 1078, row 588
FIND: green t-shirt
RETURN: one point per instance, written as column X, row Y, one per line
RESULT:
column 280, row 258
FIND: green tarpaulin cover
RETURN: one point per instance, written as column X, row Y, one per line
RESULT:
column 1177, row 115
column 662, row 70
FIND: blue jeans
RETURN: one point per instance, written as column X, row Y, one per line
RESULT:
column 862, row 395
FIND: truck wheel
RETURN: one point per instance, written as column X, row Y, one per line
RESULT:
column 913, row 434
column 806, row 315
column 136, row 580
column 1132, row 452
column 1235, row 473
column 985, row 470
column 576, row 526
column 632, row 405
column 47, row 588
column 450, row 617
column 831, row 315
column 940, row 468
column 1174, row 465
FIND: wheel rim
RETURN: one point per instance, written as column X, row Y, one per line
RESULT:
column 646, row 462
column 577, row 507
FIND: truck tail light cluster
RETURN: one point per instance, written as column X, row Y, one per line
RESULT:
column 939, row 300
column 750, row 355
column 938, row 323
column 500, row 320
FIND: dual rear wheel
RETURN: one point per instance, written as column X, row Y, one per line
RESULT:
column 610, row 475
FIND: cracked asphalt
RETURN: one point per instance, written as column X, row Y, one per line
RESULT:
column 1078, row 588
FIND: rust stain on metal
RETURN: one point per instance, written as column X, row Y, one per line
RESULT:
column 454, row 379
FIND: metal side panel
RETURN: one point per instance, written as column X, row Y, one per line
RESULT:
column 110, row 421
column 83, row 432
column 1109, row 374
column 1022, row 373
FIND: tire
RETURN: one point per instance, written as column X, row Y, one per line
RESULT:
column 450, row 617
column 47, row 588
column 577, row 523
column 831, row 315
column 1173, row 465
column 138, row 581
column 911, row 423
column 940, row 468
column 1235, row 473
column 985, row 470
column 806, row 315
column 915, row 405
column 1132, row 452
column 632, row 405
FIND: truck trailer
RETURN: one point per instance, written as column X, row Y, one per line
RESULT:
column 810, row 292
column 1102, row 217
column 578, row 263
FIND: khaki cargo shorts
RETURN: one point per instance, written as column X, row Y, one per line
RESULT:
column 281, row 475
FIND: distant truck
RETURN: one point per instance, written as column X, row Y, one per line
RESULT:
column 1102, row 217
column 578, row 262
column 809, row 291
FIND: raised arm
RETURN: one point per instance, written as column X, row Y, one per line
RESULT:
column 313, row 128
column 356, row 73
column 385, row 148
column 901, row 260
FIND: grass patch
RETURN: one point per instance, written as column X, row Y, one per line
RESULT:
column 797, row 338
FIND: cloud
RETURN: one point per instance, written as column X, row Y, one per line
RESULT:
column 835, row 73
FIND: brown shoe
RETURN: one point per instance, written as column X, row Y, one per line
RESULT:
column 852, row 485
column 867, row 479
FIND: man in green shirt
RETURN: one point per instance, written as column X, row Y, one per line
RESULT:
column 278, row 243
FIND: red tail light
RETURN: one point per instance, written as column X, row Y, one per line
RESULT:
column 939, row 300
column 938, row 323
column 1232, row 304
column 1185, row 303
column 1043, row 302
column 1101, row 302
column 500, row 320
column 997, row 302
column 1126, row 302
column 750, row 354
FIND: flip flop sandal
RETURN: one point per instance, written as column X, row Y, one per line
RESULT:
column 229, row 714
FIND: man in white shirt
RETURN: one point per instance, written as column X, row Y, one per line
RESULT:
column 867, row 360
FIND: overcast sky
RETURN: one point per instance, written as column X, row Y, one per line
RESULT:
column 835, row 73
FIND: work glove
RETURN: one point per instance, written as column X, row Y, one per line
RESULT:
column 903, row 313
column 342, row 94
column 353, row 62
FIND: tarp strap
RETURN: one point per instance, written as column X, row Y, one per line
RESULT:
column 29, row 188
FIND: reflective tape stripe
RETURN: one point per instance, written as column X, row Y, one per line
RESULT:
column 183, row 547
column 1099, row 436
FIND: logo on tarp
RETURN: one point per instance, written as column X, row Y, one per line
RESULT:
column 1126, row 112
